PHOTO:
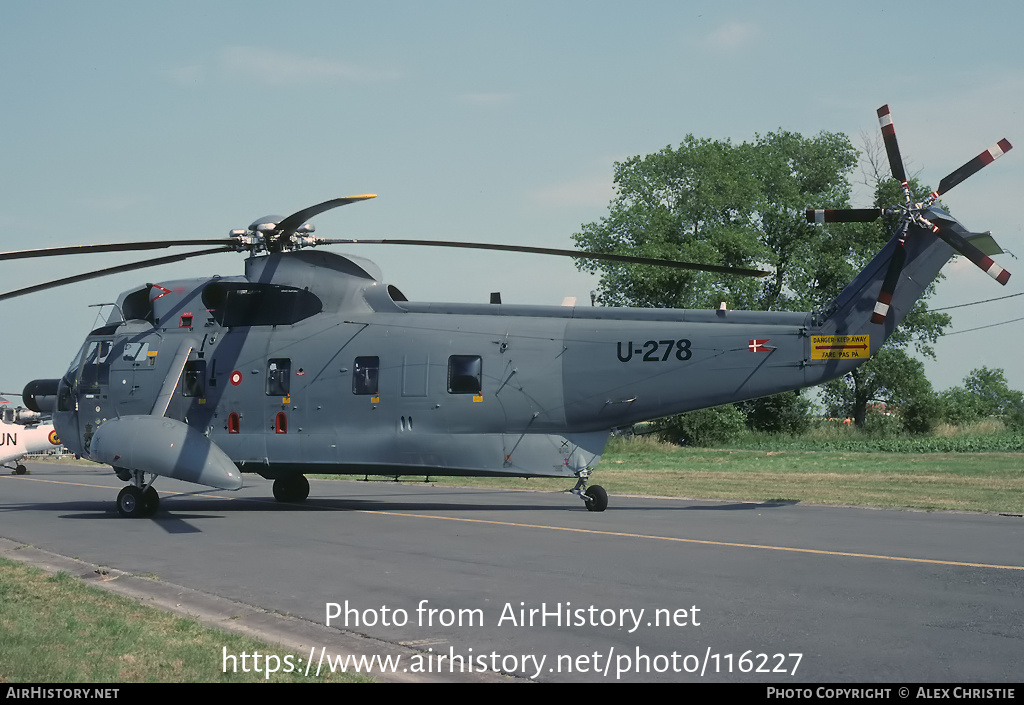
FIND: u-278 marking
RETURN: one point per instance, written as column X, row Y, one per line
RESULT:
column 656, row 350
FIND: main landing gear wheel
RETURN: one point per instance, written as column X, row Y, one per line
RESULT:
column 596, row 499
column 137, row 500
column 151, row 501
column 129, row 501
column 291, row 489
column 20, row 470
column 136, row 503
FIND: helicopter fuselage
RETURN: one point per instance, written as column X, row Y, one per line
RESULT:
column 437, row 389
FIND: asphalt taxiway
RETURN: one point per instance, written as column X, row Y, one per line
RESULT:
column 653, row 589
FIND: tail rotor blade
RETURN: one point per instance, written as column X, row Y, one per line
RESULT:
column 891, row 146
column 968, row 250
column 844, row 215
column 892, row 277
column 970, row 168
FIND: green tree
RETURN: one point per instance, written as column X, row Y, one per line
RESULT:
column 984, row 393
column 716, row 202
column 960, row 407
column 992, row 390
column 891, row 379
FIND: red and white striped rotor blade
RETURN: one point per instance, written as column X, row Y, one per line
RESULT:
column 972, row 167
column 891, row 146
column 892, row 277
column 843, row 215
column 968, row 250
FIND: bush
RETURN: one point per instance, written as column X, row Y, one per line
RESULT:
column 878, row 424
column 703, row 428
column 788, row 412
column 923, row 414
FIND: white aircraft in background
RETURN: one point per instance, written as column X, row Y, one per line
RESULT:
column 22, row 432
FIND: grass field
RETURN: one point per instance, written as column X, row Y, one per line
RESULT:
column 966, row 481
column 57, row 629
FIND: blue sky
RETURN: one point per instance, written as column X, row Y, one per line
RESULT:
column 484, row 121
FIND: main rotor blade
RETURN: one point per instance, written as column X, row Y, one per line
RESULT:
column 290, row 224
column 844, row 215
column 718, row 269
column 891, row 147
column 110, row 247
column 111, row 270
column 972, row 167
column 968, row 250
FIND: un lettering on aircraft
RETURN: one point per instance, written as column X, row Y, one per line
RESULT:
column 8, row 439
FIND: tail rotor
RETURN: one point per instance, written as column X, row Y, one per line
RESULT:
column 918, row 214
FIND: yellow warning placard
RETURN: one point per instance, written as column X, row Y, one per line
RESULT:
column 840, row 347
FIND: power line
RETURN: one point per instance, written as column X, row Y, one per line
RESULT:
column 972, row 303
column 999, row 298
column 991, row 325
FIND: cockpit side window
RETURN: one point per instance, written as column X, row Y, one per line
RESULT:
column 96, row 366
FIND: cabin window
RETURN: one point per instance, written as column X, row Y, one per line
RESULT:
column 364, row 376
column 193, row 380
column 278, row 376
column 465, row 374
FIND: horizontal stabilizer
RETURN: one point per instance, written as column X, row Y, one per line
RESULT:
column 986, row 243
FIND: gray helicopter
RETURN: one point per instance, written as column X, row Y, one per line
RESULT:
column 311, row 363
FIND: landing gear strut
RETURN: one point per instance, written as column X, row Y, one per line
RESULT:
column 594, row 497
column 137, row 500
column 294, row 488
